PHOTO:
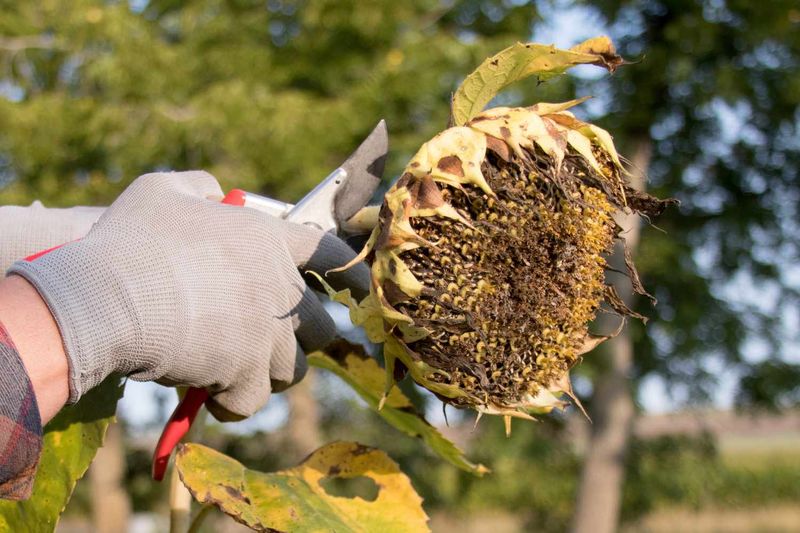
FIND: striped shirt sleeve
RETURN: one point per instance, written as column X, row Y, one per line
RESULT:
column 20, row 425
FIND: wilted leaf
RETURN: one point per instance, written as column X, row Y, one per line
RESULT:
column 522, row 61
column 71, row 440
column 297, row 500
column 363, row 374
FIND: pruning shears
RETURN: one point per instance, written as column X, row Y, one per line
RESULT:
column 335, row 200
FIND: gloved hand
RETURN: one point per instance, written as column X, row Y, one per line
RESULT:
column 174, row 287
column 27, row 230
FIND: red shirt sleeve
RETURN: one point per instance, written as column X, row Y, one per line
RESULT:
column 20, row 424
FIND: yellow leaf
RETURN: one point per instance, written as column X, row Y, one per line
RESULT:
column 298, row 499
column 520, row 128
column 522, row 61
column 388, row 265
column 545, row 108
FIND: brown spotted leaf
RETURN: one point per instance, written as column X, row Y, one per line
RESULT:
column 521, row 61
column 301, row 498
column 363, row 374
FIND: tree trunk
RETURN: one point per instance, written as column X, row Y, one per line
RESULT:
column 111, row 507
column 303, row 428
column 600, row 492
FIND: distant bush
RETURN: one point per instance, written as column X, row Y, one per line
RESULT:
column 689, row 472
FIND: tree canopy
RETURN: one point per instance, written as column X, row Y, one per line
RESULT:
column 716, row 87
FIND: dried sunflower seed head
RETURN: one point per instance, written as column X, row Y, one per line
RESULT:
column 488, row 261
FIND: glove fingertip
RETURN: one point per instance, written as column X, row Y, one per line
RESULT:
column 237, row 404
column 328, row 252
column 300, row 371
column 221, row 413
column 314, row 249
column 313, row 326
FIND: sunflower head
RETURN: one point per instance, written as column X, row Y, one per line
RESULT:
column 489, row 258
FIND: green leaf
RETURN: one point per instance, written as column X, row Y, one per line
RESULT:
column 71, row 440
column 299, row 499
column 367, row 378
column 522, row 61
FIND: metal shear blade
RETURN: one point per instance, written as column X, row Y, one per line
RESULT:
column 342, row 193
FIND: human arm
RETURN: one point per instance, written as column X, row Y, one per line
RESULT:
column 32, row 365
column 33, row 380
column 23, row 232
column 30, row 326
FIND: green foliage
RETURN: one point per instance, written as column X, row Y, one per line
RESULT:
column 268, row 98
column 689, row 471
column 302, row 498
column 520, row 61
column 772, row 385
column 716, row 91
column 673, row 469
column 535, row 474
column 70, row 442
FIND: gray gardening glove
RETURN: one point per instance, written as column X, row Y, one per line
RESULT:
column 174, row 287
column 27, row 230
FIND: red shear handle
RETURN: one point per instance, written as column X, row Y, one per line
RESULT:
column 176, row 428
column 181, row 420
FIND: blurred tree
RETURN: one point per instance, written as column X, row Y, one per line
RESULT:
column 613, row 408
column 111, row 503
column 302, row 433
column 268, row 96
column 716, row 92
